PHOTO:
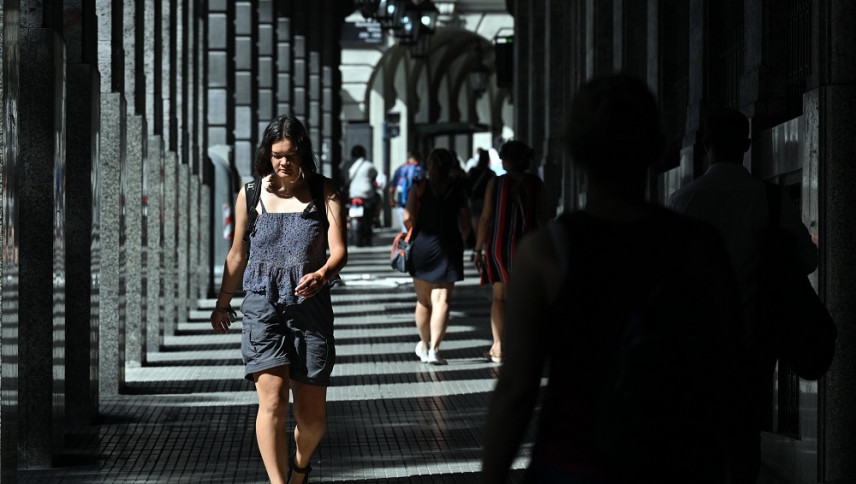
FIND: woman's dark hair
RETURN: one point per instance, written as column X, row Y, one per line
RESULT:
column 440, row 162
column 285, row 126
column 517, row 154
column 614, row 127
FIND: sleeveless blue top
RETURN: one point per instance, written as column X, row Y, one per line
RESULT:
column 283, row 248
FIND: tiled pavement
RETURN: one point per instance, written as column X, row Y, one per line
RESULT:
column 188, row 416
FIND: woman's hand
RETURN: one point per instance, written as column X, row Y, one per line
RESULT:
column 221, row 319
column 478, row 262
column 310, row 284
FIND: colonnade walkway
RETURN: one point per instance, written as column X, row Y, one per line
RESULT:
column 188, row 416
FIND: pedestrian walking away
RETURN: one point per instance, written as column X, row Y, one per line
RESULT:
column 437, row 211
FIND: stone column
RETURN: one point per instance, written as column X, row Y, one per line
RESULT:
column 300, row 60
column 556, row 98
column 835, row 78
column 283, row 65
column 691, row 152
column 170, row 238
column 536, row 56
column 152, row 190
column 219, row 93
column 182, row 209
column 9, row 231
column 314, row 41
column 135, row 152
column 81, row 329
column 265, row 75
column 599, row 38
column 522, row 81
column 41, row 211
column 245, row 87
column 112, row 151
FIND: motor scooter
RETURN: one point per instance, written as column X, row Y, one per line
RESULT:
column 359, row 223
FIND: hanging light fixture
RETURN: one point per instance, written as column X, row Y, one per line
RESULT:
column 428, row 14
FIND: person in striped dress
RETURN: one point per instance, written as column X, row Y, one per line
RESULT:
column 513, row 207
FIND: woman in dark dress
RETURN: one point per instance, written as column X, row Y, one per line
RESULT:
column 437, row 211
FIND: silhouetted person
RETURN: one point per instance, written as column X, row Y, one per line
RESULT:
column 402, row 180
column 513, row 207
column 478, row 178
column 623, row 295
column 734, row 202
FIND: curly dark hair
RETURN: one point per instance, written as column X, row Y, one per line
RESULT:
column 282, row 127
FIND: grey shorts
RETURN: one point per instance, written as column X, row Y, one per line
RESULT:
column 298, row 335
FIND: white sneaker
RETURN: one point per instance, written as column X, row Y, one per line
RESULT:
column 434, row 358
column 422, row 352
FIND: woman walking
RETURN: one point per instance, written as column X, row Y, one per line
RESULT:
column 287, row 338
column 437, row 211
column 513, row 207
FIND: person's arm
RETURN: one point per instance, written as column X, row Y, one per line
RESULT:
column 409, row 215
column 485, row 223
column 790, row 220
column 392, row 184
column 233, row 269
column 310, row 284
column 534, row 282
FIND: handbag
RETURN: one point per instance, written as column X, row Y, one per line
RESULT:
column 802, row 332
column 400, row 255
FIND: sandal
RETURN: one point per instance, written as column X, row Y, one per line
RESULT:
column 493, row 357
column 300, row 470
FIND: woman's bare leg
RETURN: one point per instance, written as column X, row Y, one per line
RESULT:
column 497, row 317
column 310, row 414
column 272, row 389
column 423, row 310
column 440, row 295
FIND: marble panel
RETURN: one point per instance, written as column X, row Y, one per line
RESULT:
column 217, row 105
column 243, row 53
column 243, row 18
column 243, row 89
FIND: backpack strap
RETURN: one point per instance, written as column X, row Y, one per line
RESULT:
column 316, row 191
column 253, row 192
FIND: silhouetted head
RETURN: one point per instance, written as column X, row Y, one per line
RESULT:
column 614, row 128
column 413, row 157
column 484, row 159
column 516, row 156
column 280, row 128
column 726, row 135
column 358, row 152
column 440, row 162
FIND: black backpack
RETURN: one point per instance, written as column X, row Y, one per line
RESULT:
column 252, row 190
